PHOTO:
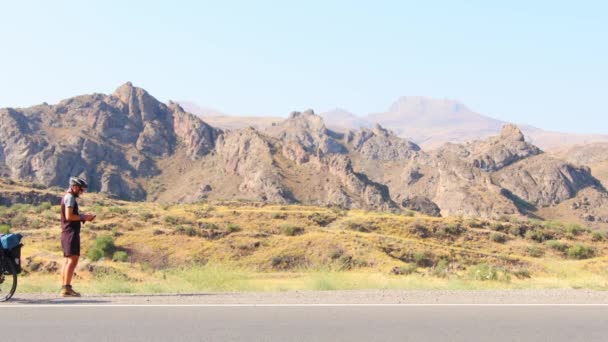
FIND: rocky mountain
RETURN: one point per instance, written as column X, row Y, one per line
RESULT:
column 132, row 146
column 112, row 140
column 429, row 122
column 593, row 155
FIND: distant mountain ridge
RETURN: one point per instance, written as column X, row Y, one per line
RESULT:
column 131, row 146
column 426, row 121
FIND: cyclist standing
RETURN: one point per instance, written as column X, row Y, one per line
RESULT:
column 70, row 233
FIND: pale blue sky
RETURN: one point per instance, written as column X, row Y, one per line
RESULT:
column 544, row 64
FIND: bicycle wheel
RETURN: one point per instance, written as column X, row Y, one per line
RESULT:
column 8, row 279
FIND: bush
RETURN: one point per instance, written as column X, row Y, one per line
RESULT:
column 580, row 252
column 36, row 224
column 5, row 229
column 363, row 227
column 573, row 230
column 441, row 269
column 448, row 230
column 321, row 220
column 95, row 254
column 43, row 207
column 118, row 210
column 19, row 221
column 538, row 235
column 424, row 259
column 598, row 236
column 557, row 245
column 498, row 237
column 233, row 228
column 171, row 220
column 499, row 227
column 404, row 270
column 146, row 216
column 517, row 230
column 103, row 246
column 535, row 252
column 290, row 230
column 484, row 272
column 476, row 224
column 418, row 229
column 120, row 256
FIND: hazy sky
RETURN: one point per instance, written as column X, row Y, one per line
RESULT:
column 543, row 63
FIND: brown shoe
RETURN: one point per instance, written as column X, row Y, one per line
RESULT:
column 67, row 291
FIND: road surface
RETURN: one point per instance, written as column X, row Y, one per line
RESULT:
column 92, row 321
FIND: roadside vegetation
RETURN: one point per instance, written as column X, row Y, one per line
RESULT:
column 244, row 246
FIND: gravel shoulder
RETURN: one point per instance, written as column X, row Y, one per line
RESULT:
column 553, row 296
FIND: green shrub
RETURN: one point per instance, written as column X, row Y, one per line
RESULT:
column 476, row 224
column 233, row 228
column 598, row 236
column 499, row 227
column 448, row 230
column 424, row 259
column 573, row 230
column 538, row 235
column 535, row 252
column 498, row 237
column 118, row 210
column 441, row 269
column 557, row 245
column 43, row 207
column 418, row 229
column 171, row 220
column 554, row 225
column 95, row 254
column 321, row 220
column 20, row 221
column 105, row 244
column 36, row 224
column 20, row 207
column 188, row 230
column 290, row 230
column 363, row 227
column 146, row 216
column 405, row 270
column 580, row 252
column 120, row 256
column 517, row 230
column 484, row 272
column 5, row 229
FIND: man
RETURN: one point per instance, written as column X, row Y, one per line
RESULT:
column 70, row 233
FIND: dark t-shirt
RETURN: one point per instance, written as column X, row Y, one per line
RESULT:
column 69, row 200
column 70, row 230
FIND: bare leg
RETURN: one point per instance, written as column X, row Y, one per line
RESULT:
column 64, row 270
column 70, row 266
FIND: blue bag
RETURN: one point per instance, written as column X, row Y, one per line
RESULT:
column 10, row 241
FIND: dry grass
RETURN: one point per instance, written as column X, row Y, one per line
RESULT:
column 238, row 246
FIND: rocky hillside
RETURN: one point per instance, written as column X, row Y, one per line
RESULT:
column 131, row 146
column 112, row 140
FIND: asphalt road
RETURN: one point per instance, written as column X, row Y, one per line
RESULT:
column 425, row 323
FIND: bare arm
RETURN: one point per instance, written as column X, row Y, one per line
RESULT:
column 70, row 216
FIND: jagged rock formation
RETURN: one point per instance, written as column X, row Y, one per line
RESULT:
column 380, row 144
column 543, row 180
column 112, row 140
column 132, row 146
column 308, row 131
